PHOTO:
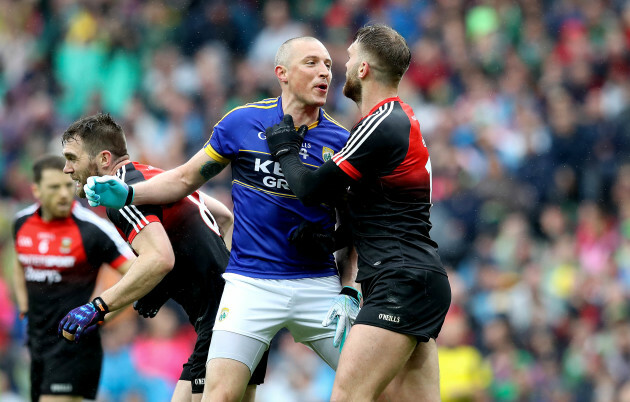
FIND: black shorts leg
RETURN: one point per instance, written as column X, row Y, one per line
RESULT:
column 407, row 301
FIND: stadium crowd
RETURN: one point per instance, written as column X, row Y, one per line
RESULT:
column 524, row 105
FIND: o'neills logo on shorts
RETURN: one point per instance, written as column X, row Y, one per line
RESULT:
column 200, row 381
column 390, row 318
column 60, row 388
column 224, row 314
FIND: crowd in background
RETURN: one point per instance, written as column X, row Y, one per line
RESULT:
column 525, row 108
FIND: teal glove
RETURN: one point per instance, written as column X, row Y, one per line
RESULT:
column 343, row 312
column 108, row 191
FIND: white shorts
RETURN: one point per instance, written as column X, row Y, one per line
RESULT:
column 259, row 308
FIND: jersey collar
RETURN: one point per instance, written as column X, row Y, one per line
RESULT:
column 381, row 103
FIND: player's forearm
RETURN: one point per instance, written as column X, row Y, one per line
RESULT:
column 347, row 264
column 223, row 216
column 19, row 286
column 145, row 273
column 312, row 187
column 167, row 187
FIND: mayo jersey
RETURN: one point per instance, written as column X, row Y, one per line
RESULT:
column 265, row 209
column 389, row 201
column 61, row 259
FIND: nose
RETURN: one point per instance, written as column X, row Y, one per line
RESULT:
column 324, row 71
column 67, row 168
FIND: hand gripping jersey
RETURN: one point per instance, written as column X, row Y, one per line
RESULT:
column 389, row 202
column 265, row 209
column 200, row 253
column 61, row 259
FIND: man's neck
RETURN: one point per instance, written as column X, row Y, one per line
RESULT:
column 302, row 114
column 374, row 93
column 118, row 166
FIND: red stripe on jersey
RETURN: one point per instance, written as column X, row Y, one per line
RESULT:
column 118, row 261
column 134, row 233
column 348, row 169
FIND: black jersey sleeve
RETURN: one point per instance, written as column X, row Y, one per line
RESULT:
column 131, row 219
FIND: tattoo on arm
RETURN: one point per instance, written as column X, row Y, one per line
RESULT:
column 210, row 169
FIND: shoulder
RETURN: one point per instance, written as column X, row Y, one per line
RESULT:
column 249, row 112
column 26, row 212
column 388, row 118
column 134, row 172
column 22, row 215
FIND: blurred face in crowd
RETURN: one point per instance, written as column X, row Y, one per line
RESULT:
column 79, row 164
column 352, row 87
column 55, row 192
column 308, row 73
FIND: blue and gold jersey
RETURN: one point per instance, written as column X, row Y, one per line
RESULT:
column 265, row 209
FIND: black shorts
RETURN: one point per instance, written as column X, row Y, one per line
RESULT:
column 73, row 369
column 408, row 301
column 195, row 368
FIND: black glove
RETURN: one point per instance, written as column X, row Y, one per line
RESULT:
column 311, row 240
column 149, row 305
column 283, row 137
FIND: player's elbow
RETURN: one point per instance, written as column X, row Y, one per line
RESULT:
column 163, row 262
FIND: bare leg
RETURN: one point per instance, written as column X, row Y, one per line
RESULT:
column 370, row 359
column 183, row 392
column 420, row 376
column 250, row 394
column 230, row 386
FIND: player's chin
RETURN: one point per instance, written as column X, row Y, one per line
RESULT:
column 319, row 101
column 62, row 211
column 80, row 191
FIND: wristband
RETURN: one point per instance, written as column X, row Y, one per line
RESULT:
column 352, row 292
column 100, row 305
column 129, row 199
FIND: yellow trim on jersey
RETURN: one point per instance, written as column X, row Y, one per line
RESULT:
column 215, row 155
column 254, row 105
column 251, row 150
column 263, row 190
column 333, row 121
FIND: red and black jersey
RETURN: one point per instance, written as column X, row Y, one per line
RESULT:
column 389, row 201
column 61, row 259
column 200, row 253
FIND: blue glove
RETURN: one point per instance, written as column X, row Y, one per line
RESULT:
column 84, row 319
column 343, row 312
column 108, row 191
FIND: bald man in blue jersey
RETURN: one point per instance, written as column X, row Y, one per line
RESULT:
column 270, row 284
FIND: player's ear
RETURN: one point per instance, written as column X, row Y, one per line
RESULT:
column 35, row 190
column 105, row 160
column 281, row 73
column 363, row 70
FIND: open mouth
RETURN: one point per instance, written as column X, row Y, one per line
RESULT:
column 323, row 87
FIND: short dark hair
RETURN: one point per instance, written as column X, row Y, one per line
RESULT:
column 387, row 48
column 47, row 162
column 98, row 132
